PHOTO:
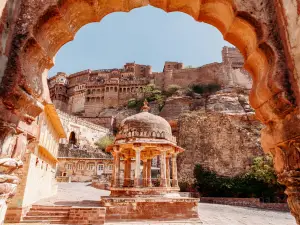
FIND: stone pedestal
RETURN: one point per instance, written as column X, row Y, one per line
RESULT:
column 150, row 208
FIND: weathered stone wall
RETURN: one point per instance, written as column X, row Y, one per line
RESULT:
column 220, row 135
column 87, row 133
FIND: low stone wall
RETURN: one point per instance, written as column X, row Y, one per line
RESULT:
column 100, row 185
column 63, row 179
column 87, row 215
column 246, row 202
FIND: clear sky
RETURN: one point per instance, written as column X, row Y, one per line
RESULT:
column 145, row 35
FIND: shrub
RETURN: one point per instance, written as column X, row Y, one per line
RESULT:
column 172, row 89
column 205, row 88
column 105, row 141
column 132, row 103
column 260, row 182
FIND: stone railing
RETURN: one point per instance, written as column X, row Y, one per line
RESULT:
column 245, row 202
column 140, row 134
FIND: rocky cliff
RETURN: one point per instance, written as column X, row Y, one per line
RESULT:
column 219, row 132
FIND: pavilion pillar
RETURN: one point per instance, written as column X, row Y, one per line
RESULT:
column 174, row 171
column 145, row 173
column 149, row 164
column 116, row 169
column 127, row 172
column 168, row 171
column 163, row 169
column 137, row 167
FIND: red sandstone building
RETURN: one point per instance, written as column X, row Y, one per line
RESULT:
column 88, row 92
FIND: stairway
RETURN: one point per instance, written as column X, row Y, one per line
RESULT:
column 47, row 214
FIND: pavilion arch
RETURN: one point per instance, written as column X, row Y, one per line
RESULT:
column 251, row 26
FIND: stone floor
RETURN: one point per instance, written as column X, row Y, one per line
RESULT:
column 85, row 195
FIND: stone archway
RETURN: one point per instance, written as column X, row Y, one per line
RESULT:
column 33, row 31
column 72, row 138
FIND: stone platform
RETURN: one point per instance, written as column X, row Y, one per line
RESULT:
column 145, row 191
column 150, row 208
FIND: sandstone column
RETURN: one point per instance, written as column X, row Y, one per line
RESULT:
column 168, row 171
column 137, row 167
column 145, row 173
column 127, row 172
column 117, row 168
column 174, row 171
column 163, row 169
column 149, row 164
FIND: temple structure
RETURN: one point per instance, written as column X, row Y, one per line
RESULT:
column 143, row 137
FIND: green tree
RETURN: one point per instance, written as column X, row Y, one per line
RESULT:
column 262, row 169
column 105, row 141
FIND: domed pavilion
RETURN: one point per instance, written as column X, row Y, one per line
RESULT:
column 143, row 137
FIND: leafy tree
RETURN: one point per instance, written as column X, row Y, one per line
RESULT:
column 105, row 141
column 262, row 169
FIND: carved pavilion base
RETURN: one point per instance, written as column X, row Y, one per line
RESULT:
column 121, row 209
column 145, row 191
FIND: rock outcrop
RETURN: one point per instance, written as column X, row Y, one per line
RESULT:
column 221, row 133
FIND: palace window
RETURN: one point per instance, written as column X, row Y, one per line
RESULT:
column 80, row 166
column 101, row 167
column 69, row 166
column 91, row 166
column 110, row 167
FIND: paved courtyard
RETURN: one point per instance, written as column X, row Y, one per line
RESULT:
column 210, row 214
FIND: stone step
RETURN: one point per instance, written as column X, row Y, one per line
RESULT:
column 50, row 207
column 48, row 213
column 45, row 222
column 45, row 218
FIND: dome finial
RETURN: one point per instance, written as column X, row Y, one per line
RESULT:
column 145, row 107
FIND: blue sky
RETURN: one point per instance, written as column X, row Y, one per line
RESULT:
column 145, row 35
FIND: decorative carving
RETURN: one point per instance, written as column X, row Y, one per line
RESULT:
column 286, row 158
column 292, row 181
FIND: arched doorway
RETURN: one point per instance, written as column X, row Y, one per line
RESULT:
column 72, row 138
column 252, row 26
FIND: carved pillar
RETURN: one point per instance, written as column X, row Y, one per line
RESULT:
column 137, row 167
column 149, row 164
column 174, row 171
column 168, row 171
column 145, row 173
column 127, row 172
column 116, row 175
column 163, row 169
